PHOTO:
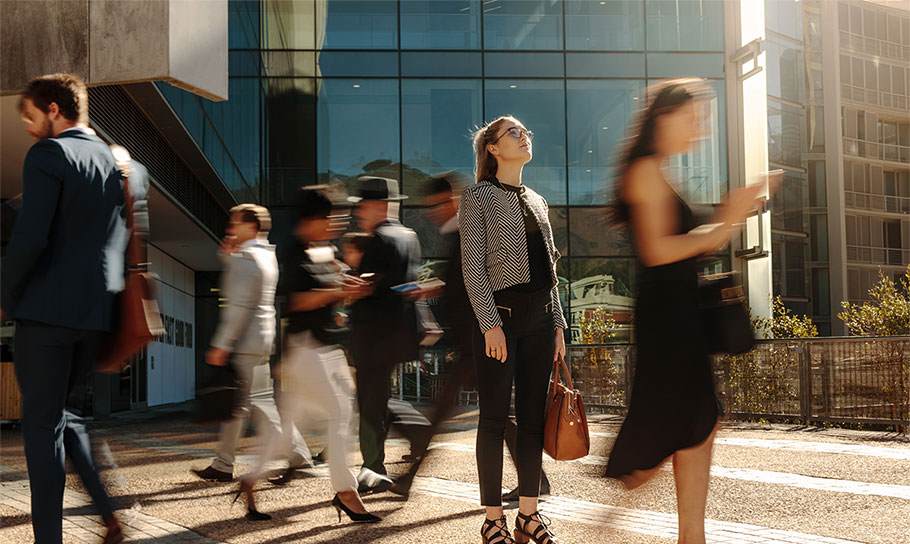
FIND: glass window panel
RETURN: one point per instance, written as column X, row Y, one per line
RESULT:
column 702, row 172
column 616, row 25
column 786, row 71
column 289, row 24
column 682, row 65
column 817, row 129
column 598, row 114
column 440, row 24
column 441, row 64
column 524, row 64
column 786, row 134
column 818, row 237
column 290, row 106
column 289, row 63
column 244, row 63
column 784, row 17
column 356, row 24
column 817, row 184
column 788, row 204
column 522, row 24
column 540, row 105
column 243, row 22
column 602, row 284
column 356, row 64
column 821, row 303
column 437, row 116
column 605, row 65
column 592, row 234
column 231, row 139
column 685, row 25
column 357, row 128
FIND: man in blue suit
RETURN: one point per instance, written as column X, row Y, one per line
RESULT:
column 61, row 273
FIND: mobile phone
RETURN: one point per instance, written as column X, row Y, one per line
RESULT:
column 405, row 287
column 367, row 276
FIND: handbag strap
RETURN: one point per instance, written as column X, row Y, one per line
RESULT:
column 136, row 258
column 560, row 367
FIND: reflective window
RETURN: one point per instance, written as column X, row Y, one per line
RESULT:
column 289, row 24
column 357, row 128
column 593, row 235
column 786, row 134
column 437, row 116
column 598, row 286
column 685, row 25
column 786, row 71
column 440, row 24
column 522, row 24
column 290, row 106
column 559, row 222
column 524, row 64
column 540, row 105
column 357, row 24
column 685, row 65
column 441, row 64
column 243, row 24
column 356, row 64
column 598, row 115
column 616, row 25
column 789, row 203
column 784, row 17
column 605, row 65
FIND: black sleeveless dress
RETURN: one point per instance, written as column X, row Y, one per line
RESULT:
column 673, row 405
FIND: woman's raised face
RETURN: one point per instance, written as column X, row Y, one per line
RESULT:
column 512, row 142
column 678, row 130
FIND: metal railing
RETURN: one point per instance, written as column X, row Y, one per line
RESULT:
column 876, row 150
column 884, row 203
column 842, row 380
column 873, row 46
column 878, row 255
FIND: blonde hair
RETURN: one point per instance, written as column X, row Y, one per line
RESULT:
column 254, row 213
column 485, row 165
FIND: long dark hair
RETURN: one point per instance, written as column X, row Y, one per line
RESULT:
column 663, row 98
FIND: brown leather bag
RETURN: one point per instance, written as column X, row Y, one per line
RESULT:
column 140, row 320
column 565, row 435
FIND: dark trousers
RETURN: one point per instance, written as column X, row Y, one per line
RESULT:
column 49, row 362
column 443, row 409
column 378, row 413
column 530, row 340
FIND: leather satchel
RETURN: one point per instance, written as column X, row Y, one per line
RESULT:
column 566, row 428
column 726, row 321
column 139, row 318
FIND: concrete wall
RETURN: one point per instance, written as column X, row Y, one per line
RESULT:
column 183, row 42
column 40, row 37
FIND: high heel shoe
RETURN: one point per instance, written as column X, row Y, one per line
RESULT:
column 356, row 517
column 496, row 531
column 541, row 535
column 246, row 489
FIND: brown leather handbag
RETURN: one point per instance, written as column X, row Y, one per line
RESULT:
column 565, row 435
column 139, row 318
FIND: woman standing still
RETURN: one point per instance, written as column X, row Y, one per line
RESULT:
column 674, row 410
column 509, row 263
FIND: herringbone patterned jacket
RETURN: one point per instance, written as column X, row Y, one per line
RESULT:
column 494, row 247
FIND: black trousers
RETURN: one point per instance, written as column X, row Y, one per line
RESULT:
column 49, row 362
column 445, row 405
column 378, row 412
column 530, row 340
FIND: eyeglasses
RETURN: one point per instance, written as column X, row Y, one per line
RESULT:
column 516, row 132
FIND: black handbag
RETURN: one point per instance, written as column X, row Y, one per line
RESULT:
column 217, row 400
column 721, row 304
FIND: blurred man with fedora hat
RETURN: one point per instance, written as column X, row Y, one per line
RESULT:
column 385, row 326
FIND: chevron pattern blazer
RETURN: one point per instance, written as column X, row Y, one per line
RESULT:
column 494, row 247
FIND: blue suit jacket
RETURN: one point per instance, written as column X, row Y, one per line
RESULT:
column 65, row 261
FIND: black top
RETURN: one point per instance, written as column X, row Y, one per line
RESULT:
column 315, row 268
column 538, row 261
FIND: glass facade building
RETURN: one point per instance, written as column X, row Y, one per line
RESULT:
column 328, row 90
